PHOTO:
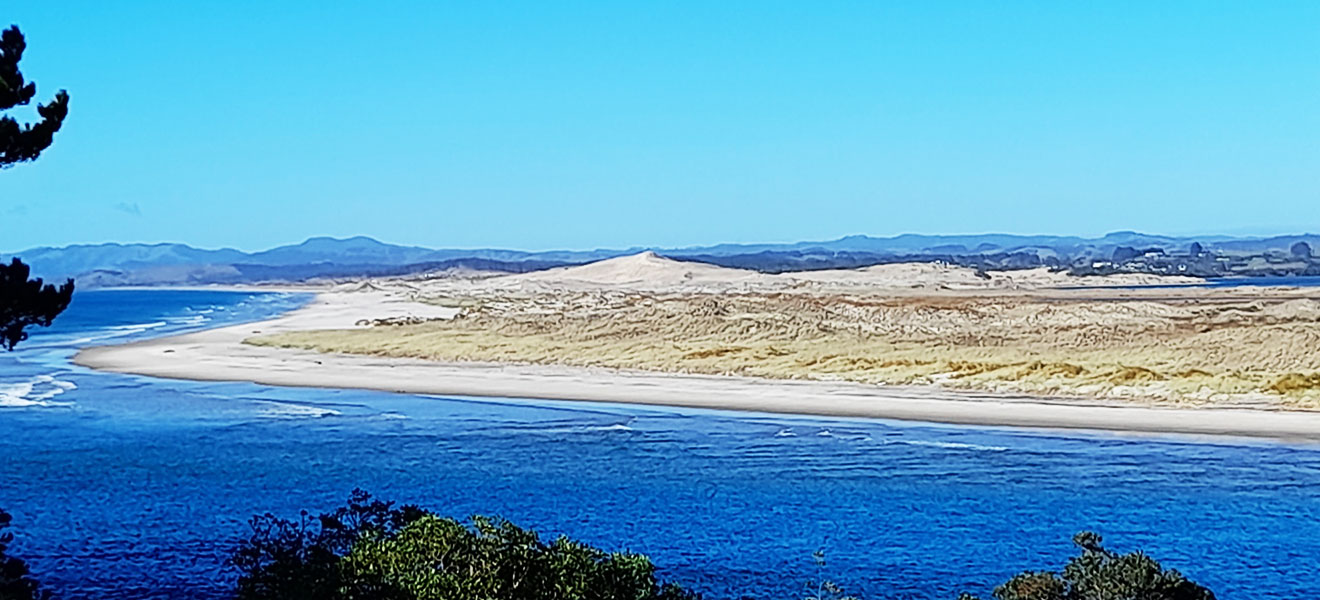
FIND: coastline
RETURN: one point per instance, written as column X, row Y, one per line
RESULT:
column 220, row 355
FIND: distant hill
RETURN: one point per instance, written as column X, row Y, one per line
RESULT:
column 75, row 260
column 330, row 258
column 910, row 243
column 354, row 250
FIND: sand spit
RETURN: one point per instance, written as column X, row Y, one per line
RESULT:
column 1195, row 349
column 924, row 342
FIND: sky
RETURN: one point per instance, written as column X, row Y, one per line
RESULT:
column 540, row 125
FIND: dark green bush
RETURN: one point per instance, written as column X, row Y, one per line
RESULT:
column 15, row 584
column 372, row 550
column 1100, row 574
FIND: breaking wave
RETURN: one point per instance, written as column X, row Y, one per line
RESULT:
column 951, row 445
column 283, row 410
column 37, row 391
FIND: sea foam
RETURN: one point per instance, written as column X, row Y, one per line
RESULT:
column 35, row 392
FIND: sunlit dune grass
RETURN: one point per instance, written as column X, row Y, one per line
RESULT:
column 1241, row 352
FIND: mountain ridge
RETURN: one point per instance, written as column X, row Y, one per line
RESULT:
column 329, row 257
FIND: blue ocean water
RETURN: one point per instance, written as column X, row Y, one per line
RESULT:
column 132, row 487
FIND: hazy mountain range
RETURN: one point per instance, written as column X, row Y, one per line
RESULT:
column 324, row 257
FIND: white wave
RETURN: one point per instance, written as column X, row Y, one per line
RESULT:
column 844, row 435
column 105, row 336
column 139, row 326
column 615, row 427
column 115, row 331
column 575, row 428
column 626, row 426
column 953, row 445
column 281, row 410
column 785, row 433
column 37, row 391
column 92, row 338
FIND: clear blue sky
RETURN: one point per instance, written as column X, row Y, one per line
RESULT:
column 579, row 124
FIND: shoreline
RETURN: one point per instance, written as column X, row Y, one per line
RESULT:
column 220, row 355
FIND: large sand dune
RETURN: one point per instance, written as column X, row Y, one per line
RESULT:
column 649, row 271
column 646, row 270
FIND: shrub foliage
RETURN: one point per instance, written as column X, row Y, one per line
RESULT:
column 370, row 549
column 1101, row 574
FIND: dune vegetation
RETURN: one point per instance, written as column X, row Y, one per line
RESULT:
column 1189, row 347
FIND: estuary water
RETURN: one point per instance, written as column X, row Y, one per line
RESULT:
column 133, row 487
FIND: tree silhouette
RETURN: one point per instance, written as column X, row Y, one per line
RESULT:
column 20, row 143
column 14, row 581
column 24, row 302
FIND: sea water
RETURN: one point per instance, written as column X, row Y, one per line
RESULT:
column 134, row 487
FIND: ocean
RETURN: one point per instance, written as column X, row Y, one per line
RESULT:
column 134, row 487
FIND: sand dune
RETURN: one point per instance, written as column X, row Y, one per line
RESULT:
column 649, row 271
column 645, row 270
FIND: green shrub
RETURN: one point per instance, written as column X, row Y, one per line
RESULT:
column 299, row 560
column 372, row 550
column 1100, row 574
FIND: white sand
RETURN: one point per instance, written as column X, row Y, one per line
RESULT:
column 649, row 271
column 646, row 270
column 219, row 355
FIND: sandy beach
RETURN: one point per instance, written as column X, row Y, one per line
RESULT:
column 228, row 354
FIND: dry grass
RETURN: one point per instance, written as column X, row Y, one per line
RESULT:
column 1189, row 351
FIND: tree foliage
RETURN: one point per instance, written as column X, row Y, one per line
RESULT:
column 27, row 302
column 1301, row 250
column 1100, row 574
column 24, row 302
column 299, row 559
column 372, row 550
column 20, row 143
column 15, row 584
